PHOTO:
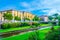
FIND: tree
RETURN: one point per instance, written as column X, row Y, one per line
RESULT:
column 59, row 20
column 50, row 17
column 34, row 36
column 8, row 16
column 53, row 35
column 55, row 15
column 36, row 18
column 17, row 18
column 59, row 17
column 26, row 19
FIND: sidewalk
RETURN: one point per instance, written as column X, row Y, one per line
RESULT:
column 7, row 34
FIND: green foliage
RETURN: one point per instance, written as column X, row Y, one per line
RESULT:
column 24, row 24
column 59, row 20
column 17, row 18
column 10, row 25
column 34, row 36
column 35, row 24
column 18, row 24
column 14, row 25
column 59, row 17
column 8, row 16
column 5, row 26
column 55, row 15
column 53, row 35
column 50, row 17
column 36, row 18
column 26, row 19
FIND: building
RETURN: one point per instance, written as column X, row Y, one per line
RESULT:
column 21, row 14
column 44, row 18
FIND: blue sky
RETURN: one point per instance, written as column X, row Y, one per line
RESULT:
column 37, row 7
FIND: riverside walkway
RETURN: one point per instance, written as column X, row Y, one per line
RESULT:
column 11, row 33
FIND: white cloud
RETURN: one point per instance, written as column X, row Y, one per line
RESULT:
column 52, row 11
column 25, row 4
column 53, row 5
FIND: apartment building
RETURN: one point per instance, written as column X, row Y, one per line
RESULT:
column 44, row 18
column 21, row 14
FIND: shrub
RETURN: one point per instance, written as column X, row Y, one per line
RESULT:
column 15, row 25
column 53, row 35
column 35, row 24
column 54, row 23
column 44, row 22
column 10, row 25
column 5, row 26
column 34, row 36
column 24, row 24
column 59, row 23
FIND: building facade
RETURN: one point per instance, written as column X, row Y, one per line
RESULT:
column 44, row 18
column 20, row 14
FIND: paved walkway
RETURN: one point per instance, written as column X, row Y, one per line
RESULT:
column 21, row 31
column 32, row 31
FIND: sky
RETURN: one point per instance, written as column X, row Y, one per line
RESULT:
column 37, row 7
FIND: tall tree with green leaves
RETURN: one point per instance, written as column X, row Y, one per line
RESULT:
column 26, row 19
column 8, row 16
column 36, row 18
column 59, row 20
column 53, row 35
column 50, row 17
column 55, row 15
column 17, row 18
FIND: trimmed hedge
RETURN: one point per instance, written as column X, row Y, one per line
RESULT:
column 24, row 24
column 10, row 25
column 5, row 25
column 35, row 24
column 14, row 25
column 18, row 24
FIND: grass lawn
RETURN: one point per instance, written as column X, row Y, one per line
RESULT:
column 20, row 28
column 12, row 29
column 18, row 37
column 44, row 25
column 43, row 32
column 26, row 35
